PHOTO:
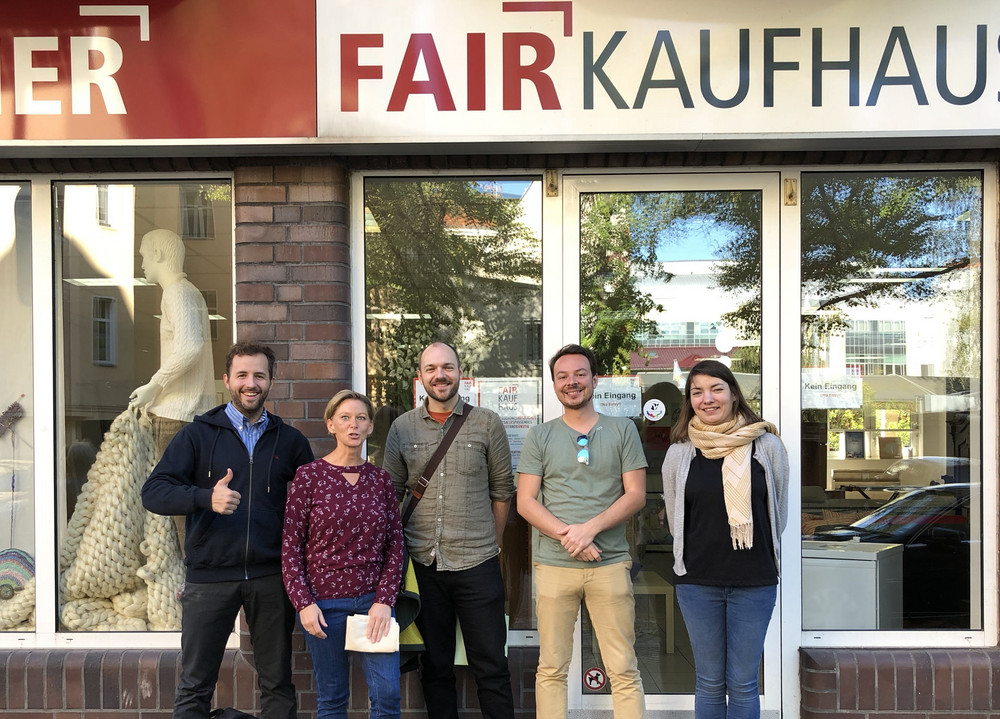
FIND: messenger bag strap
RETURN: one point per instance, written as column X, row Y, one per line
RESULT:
column 435, row 460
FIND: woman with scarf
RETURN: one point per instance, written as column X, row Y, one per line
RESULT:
column 725, row 482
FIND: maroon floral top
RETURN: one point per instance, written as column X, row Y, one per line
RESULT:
column 341, row 540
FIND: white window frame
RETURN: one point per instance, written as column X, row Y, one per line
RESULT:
column 572, row 183
column 990, row 416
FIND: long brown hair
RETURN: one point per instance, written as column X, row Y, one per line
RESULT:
column 712, row 368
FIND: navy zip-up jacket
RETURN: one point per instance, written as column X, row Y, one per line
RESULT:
column 247, row 543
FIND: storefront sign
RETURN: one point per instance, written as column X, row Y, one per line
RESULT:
column 498, row 71
column 825, row 389
column 576, row 69
column 219, row 69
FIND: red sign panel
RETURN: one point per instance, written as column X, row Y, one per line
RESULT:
column 165, row 70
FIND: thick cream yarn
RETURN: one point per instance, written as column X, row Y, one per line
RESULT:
column 120, row 565
column 18, row 613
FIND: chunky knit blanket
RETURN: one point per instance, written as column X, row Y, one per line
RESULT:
column 120, row 566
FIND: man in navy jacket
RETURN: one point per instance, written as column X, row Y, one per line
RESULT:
column 227, row 472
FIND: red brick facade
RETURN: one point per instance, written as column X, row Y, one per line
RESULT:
column 899, row 683
column 293, row 281
column 139, row 684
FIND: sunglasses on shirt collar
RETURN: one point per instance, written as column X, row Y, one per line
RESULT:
column 583, row 455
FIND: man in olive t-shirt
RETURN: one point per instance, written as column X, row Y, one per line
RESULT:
column 581, row 477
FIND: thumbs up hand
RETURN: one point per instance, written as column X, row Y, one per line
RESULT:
column 224, row 499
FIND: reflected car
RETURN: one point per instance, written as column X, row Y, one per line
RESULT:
column 926, row 471
column 932, row 524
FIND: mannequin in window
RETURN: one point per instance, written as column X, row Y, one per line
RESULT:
column 184, row 385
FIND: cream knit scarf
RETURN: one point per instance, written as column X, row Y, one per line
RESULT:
column 734, row 442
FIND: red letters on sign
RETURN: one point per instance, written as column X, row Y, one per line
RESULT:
column 421, row 44
column 514, row 72
column 421, row 49
column 351, row 71
column 476, row 82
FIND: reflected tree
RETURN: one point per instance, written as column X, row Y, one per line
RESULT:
column 619, row 234
column 445, row 260
column 865, row 238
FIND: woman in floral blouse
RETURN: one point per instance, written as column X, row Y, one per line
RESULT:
column 342, row 554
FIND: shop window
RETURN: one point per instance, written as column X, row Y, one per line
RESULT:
column 17, row 527
column 667, row 279
column 458, row 260
column 212, row 305
column 132, row 303
column 533, row 341
column 892, row 382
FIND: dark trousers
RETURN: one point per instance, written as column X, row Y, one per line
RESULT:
column 476, row 597
column 210, row 609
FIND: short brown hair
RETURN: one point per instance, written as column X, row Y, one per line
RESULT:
column 250, row 349
column 344, row 395
column 574, row 350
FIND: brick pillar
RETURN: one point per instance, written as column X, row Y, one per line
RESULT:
column 293, row 294
column 293, row 281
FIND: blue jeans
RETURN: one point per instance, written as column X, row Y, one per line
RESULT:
column 331, row 665
column 727, row 627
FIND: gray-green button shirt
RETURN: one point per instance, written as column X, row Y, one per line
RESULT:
column 453, row 523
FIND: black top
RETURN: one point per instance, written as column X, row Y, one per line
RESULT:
column 708, row 549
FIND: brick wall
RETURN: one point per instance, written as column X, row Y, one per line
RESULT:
column 899, row 683
column 293, row 281
column 139, row 684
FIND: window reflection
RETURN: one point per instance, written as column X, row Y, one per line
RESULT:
column 891, row 397
column 136, row 261
column 666, row 279
column 17, row 527
column 458, row 260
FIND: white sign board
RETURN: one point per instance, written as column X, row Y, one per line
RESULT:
column 618, row 396
column 828, row 389
column 518, row 401
column 456, row 71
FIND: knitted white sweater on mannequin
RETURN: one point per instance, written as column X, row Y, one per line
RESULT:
column 186, row 373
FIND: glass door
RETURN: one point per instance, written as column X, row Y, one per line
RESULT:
column 668, row 270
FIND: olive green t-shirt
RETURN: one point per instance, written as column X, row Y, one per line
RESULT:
column 574, row 492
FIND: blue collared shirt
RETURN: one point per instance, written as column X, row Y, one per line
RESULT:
column 249, row 433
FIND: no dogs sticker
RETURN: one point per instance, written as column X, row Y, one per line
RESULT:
column 594, row 679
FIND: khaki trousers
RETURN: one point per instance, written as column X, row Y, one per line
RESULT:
column 607, row 591
column 164, row 430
